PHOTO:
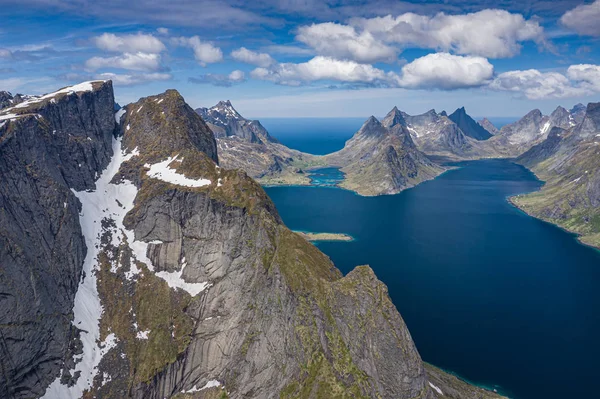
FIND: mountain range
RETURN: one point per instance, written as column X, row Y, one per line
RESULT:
column 136, row 265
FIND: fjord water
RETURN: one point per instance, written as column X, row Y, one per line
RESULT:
column 500, row 298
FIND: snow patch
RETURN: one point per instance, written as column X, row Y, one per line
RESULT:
column 162, row 171
column 96, row 205
column 118, row 115
column 436, row 388
column 209, row 384
column 78, row 88
column 142, row 334
column 545, row 128
column 175, row 280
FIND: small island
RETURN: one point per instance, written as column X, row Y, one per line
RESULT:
column 325, row 236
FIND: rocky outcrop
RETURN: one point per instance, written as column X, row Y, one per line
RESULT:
column 225, row 121
column 468, row 125
column 383, row 159
column 49, row 146
column 578, row 112
column 6, row 99
column 489, row 126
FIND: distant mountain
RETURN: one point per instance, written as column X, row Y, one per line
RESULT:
column 567, row 160
column 489, row 126
column 245, row 144
column 6, row 99
column 468, row 125
column 225, row 121
column 578, row 112
column 436, row 134
column 381, row 158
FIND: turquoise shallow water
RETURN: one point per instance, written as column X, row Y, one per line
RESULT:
column 488, row 292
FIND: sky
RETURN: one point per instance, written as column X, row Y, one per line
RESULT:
column 309, row 58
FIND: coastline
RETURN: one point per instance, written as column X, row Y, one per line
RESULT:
column 316, row 237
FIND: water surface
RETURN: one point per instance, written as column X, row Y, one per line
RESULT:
column 487, row 292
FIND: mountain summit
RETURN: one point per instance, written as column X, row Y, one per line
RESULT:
column 468, row 125
column 225, row 121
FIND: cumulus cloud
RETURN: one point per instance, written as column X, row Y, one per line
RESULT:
column 583, row 19
column 129, row 43
column 134, row 62
column 234, row 77
column 321, row 68
column 344, row 42
column 251, row 57
column 487, row 33
column 536, row 85
column 204, row 52
column 5, row 53
column 162, row 31
column 446, row 71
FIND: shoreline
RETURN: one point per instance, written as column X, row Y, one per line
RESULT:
column 321, row 237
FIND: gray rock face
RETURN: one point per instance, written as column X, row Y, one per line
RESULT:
column 48, row 149
column 528, row 129
column 591, row 122
column 544, row 150
column 468, row 125
column 578, row 112
column 6, row 99
column 225, row 121
column 489, row 126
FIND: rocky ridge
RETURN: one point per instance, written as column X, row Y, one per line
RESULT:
column 568, row 161
column 49, row 146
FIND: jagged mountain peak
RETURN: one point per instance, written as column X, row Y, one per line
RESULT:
column 394, row 117
column 591, row 121
column 164, row 125
column 225, row 121
column 468, row 125
column 489, row 126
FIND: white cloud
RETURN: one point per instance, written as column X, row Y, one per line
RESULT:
column 237, row 76
column 5, row 53
column 587, row 75
column 446, row 71
column 133, row 79
column 536, row 85
column 251, row 57
column 129, row 43
column 321, row 68
column 583, row 19
column 487, row 33
column 216, row 79
column 134, row 62
column 11, row 84
column 162, row 31
column 204, row 52
column 344, row 42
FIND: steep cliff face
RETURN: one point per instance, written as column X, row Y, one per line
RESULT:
column 468, row 125
column 568, row 162
column 383, row 159
column 48, row 146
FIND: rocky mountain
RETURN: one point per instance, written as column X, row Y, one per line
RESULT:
column 437, row 135
column 468, row 125
column 225, row 121
column 246, row 145
column 381, row 158
column 489, row 126
column 578, row 112
column 50, row 147
column 6, row 99
column 135, row 266
column 568, row 161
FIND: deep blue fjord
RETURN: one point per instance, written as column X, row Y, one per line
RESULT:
column 499, row 298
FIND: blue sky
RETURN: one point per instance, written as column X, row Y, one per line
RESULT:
column 295, row 58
